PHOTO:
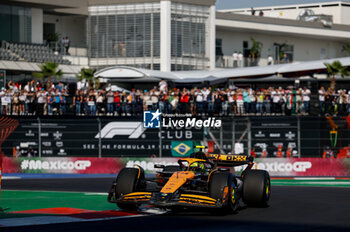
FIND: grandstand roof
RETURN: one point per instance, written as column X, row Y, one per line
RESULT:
column 130, row 74
column 34, row 67
column 80, row 7
column 270, row 25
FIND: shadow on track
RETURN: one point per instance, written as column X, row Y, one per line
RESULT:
column 291, row 209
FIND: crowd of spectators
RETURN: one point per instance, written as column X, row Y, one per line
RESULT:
column 334, row 102
column 33, row 99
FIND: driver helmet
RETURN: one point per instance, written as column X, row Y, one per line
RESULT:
column 199, row 166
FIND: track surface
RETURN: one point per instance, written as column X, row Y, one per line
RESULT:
column 292, row 208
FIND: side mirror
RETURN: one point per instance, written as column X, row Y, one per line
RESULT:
column 159, row 166
column 223, row 169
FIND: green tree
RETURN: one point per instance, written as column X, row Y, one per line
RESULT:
column 255, row 50
column 89, row 76
column 335, row 68
column 48, row 70
column 346, row 48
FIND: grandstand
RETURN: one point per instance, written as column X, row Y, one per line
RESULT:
column 6, row 55
column 37, row 53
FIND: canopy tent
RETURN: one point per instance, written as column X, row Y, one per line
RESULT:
column 130, row 74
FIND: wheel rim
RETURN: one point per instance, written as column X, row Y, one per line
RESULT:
column 268, row 190
column 233, row 197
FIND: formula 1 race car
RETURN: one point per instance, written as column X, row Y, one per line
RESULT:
column 198, row 181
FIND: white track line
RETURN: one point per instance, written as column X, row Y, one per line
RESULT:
column 45, row 220
column 10, row 177
column 314, row 178
column 53, row 191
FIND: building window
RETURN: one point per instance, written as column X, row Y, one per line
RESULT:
column 284, row 53
column 218, row 46
column 189, row 30
column 15, row 24
column 124, row 34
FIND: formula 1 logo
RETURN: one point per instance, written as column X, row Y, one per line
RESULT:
column 151, row 119
column 133, row 129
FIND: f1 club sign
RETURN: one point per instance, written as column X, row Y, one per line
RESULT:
column 276, row 167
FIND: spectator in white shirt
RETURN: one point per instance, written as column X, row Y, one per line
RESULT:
column 306, row 99
column 348, row 103
column 205, row 93
column 321, row 98
column 269, row 60
column 199, row 101
column 240, row 59
column 163, row 86
column 235, row 59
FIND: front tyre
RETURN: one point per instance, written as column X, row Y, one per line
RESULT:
column 217, row 184
column 128, row 180
column 256, row 188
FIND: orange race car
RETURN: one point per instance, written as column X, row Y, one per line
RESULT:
column 198, row 181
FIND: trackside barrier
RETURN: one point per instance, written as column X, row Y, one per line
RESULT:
column 1, row 158
column 275, row 166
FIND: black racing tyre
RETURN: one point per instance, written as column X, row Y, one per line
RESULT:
column 256, row 188
column 128, row 181
column 218, row 181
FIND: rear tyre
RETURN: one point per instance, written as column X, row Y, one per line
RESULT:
column 256, row 188
column 128, row 181
column 218, row 181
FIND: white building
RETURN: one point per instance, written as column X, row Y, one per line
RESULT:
column 340, row 11
column 300, row 41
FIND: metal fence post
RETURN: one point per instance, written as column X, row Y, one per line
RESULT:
column 99, row 138
column 160, row 143
column 299, row 137
column 249, row 136
column 221, row 136
column 39, row 136
column 233, row 136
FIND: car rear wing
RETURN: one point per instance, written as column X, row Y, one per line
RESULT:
column 228, row 160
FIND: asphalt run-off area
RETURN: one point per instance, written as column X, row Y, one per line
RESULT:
column 61, row 204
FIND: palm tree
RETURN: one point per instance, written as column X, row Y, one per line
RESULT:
column 89, row 76
column 255, row 51
column 346, row 48
column 336, row 68
column 48, row 70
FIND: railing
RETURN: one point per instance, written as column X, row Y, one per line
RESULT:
column 74, row 49
column 228, row 62
column 107, row 136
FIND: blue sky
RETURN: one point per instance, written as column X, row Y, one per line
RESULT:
column 231, row 4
